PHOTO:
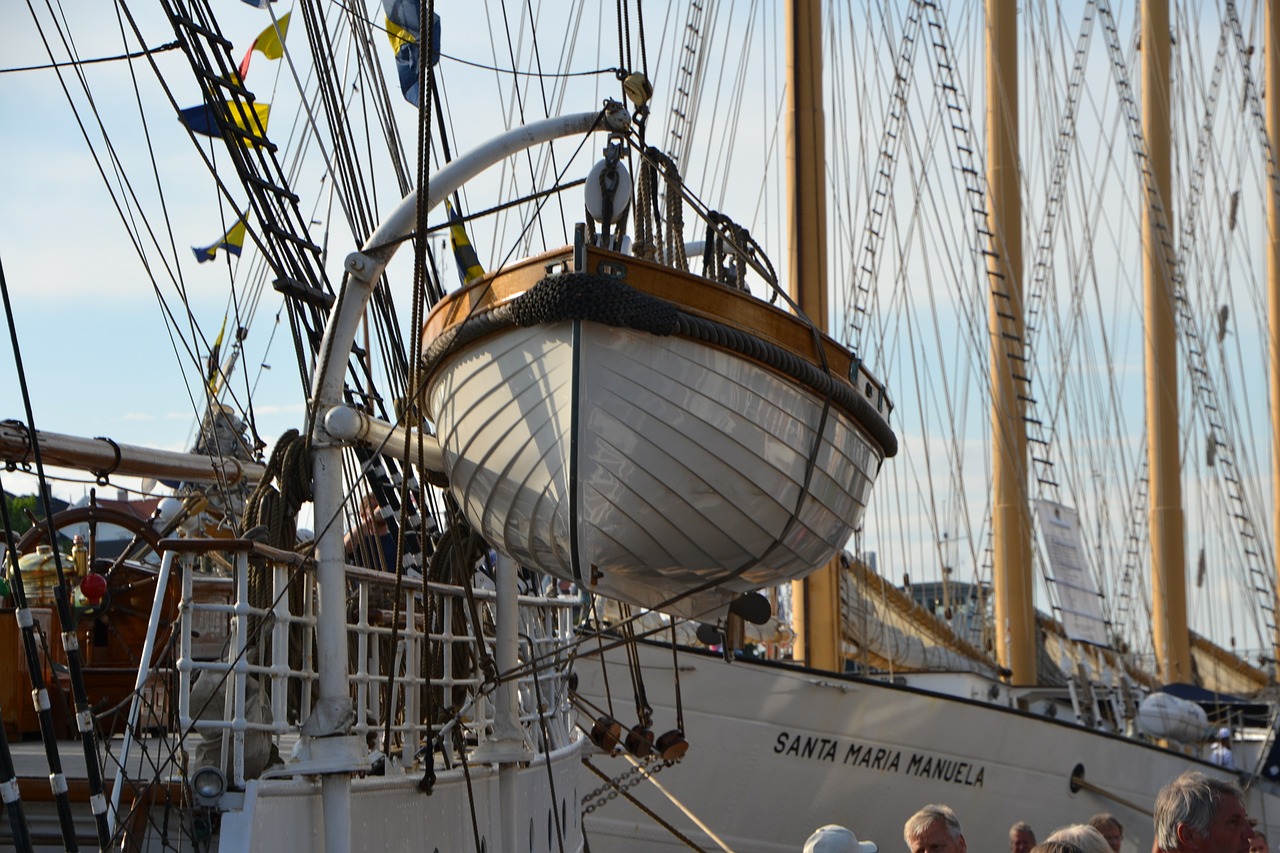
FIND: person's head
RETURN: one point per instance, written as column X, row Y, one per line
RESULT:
column 836, row 839
column 1258, row 844
column 1048, row 846
column 1196, row 813
column 368, row 513
column 1110, row 828
column 1081, row 837
column 1021, row 838
column 934, row 829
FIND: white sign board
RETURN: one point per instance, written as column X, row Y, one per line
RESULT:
column 1077, row 593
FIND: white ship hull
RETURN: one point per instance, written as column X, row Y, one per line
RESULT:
column 390, row 813
column 777, row 751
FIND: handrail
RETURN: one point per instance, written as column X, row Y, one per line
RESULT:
column 250, row 710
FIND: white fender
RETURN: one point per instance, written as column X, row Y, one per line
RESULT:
column 1165, row 716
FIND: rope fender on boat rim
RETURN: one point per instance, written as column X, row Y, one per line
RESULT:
column 608, row 300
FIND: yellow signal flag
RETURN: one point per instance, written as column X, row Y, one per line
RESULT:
column 270, row 43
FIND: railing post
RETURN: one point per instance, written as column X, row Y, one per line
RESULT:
column 281, row 631
column 507, row 747
column 144, row 675
column 233, row 703
column 186, row 615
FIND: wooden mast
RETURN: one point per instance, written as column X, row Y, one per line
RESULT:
column 1272, row 86
column 1012, row 579
column 816, row 613
column 1168, row 558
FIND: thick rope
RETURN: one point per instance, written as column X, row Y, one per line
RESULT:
column 276, row 509
column 604, row 299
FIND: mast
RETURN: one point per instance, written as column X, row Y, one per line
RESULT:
column 1272, row 85
column 1168, row 558
column 817, row 597
column 1011, row 517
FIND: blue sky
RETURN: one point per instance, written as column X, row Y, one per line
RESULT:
column 89, row 319
column 97, row 357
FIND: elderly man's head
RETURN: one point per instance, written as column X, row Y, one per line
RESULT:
column 934, row 829
column 834, row 838
column 1196, row 813
column 1110, row 828
column 1081, row 838
column 1021, row 838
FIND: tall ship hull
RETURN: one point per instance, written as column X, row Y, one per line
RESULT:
column 866, row 752
column 287, row 815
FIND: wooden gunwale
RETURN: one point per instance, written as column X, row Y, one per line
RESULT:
column 691, row 293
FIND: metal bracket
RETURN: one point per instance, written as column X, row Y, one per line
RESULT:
column 330, row 717
column 321, row 756
column 360, row 266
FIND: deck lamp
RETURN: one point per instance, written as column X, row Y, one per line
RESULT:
column 208, row 784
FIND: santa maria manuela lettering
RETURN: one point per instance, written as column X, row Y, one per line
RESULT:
column 943, row 768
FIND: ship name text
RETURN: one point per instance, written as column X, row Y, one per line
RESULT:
column 885, row 759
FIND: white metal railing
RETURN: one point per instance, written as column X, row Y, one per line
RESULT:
column 424, row 699
column 246, row 657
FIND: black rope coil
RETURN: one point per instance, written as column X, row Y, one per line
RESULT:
column 609, row 300
column 598, row 298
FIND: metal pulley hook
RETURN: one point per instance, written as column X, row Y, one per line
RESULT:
column 612, row 156
column 639, row 91
column 608, row 186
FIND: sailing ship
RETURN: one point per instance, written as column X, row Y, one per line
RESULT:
column 608, row 413
column 442, row 689
column 952, row 688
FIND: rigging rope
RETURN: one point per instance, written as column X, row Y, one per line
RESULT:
column 173, row 45
column 70, row 641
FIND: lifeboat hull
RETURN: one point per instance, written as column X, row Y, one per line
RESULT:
column 653, row 469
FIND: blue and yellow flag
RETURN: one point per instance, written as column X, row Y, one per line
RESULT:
column 232, row 242
column 201, row 119
column 270, row 43
column 403, row 31
column 464, row 254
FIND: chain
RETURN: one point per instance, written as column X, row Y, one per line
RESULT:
column 613, row 787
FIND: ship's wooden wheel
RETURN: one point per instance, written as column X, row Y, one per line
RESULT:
column 112, row 631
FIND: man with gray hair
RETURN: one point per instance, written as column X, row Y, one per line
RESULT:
column 1196, row 813
column 1021, row 837
column 934, row 829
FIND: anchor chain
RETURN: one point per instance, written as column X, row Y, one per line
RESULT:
column 625, row 782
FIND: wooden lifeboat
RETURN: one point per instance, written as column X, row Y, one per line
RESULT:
column 646, row 433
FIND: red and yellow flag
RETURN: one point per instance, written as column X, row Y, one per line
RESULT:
column 270, row 43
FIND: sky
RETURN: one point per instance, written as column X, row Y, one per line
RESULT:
column 96, row 357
